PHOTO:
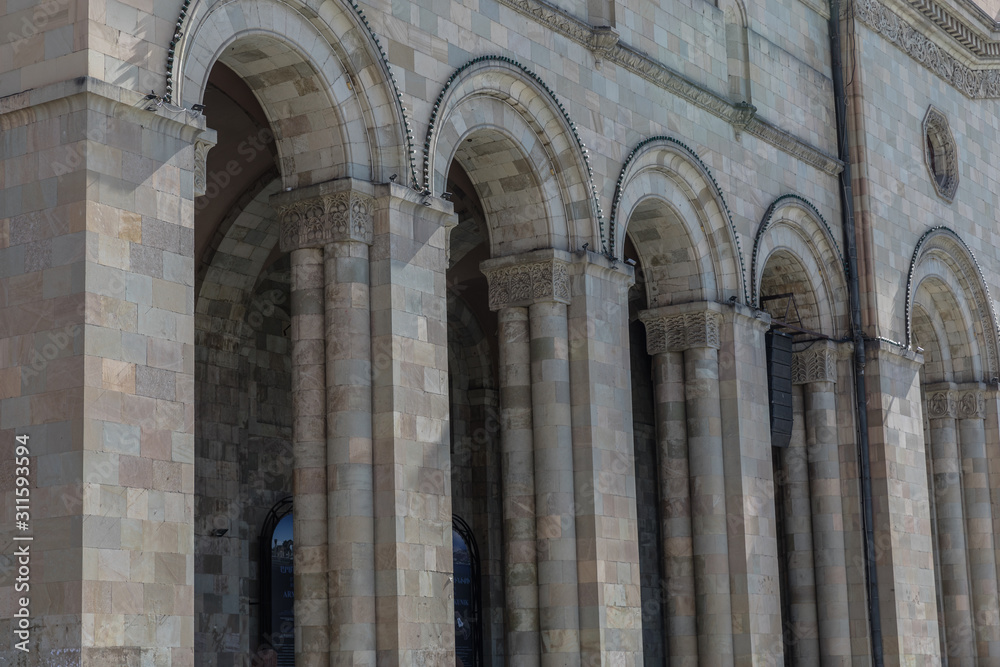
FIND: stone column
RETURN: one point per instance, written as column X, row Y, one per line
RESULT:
column 802, row 634
column 971, row 422
column 696, row 334
column 518, row 487
column 414, row 594
column 539, row 281
column 946, row 476
column 97, row 325
column 337, row 218
column 679, row 593
column 816, row 370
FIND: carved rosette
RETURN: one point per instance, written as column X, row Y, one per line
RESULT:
column 814, row 365
column 941, row 404
column 201, row 149
column 676, row 333
column 971, row 404
column 525, row 284
column 312, row 223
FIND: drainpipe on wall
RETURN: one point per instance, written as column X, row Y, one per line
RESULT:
column 847, row 214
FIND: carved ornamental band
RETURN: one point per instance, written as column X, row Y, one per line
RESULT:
column 814, row 365
column 941, row 404
column 525, row 284
column 681, row 332
column 312, row 223
column 960, row 404
column 971, row 405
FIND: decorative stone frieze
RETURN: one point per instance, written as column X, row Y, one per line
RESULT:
column 941, row 404
column 610, row 48
column 816, row 364
column 974, row 83
column 676, row 333
column 528, row 283
column 326, row 218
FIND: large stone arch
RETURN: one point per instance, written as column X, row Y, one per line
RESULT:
column 688, row 245
column 943, row 264
column 325, row 91
column 496, row 96
column 792, row 227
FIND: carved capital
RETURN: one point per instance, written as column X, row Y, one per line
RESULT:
column 942, row 404
column 528, row 283
column 816, row 364
column 201, row 148
column 971, row 404
column 326, row 218
column 676, row 333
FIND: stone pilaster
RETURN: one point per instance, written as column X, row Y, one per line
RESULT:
column 816, row 370
column 604, row 465
column 696, row 334
column 903, row 553
column 97, row 318
column 746, row 433
column 414, row 595
column 337, row 216
column 518, row 487
column 539, row 281
column 971, row 402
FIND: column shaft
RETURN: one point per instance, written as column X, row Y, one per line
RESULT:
column 827, row 523
column 309, row 449
column 680, row 616
column 517, row 457
column 947, row 489
column 802, row 636
column 979, row 536
column 708, row 506
column 554, row 499
column 349, row 456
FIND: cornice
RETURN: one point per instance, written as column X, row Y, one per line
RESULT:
column 608, row 48
column 979, row 81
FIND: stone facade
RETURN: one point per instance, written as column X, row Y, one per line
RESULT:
column 505, row 267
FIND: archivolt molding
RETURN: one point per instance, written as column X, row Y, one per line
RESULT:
column 943, row 244
column 635, row 164
column 794, row 225
column 974, row 83
column 433, row 173
column 740, row 115
column 343, row 27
